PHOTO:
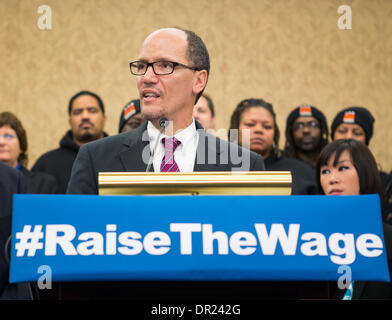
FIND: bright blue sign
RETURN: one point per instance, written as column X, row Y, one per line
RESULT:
column 197, row 237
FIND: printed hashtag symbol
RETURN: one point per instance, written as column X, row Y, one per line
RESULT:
column 29, row 240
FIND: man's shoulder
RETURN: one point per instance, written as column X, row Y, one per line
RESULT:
column 125, row 138
column 53, row 153
column 53, row 157
column 113, row 142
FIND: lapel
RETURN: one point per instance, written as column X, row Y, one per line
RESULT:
column 136, row 148
column 208, row 151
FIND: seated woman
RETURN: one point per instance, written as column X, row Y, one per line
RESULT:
column 262, row 137
column 13, row 152
column 347, row 167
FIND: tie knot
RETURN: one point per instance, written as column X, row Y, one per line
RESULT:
column 170, row 143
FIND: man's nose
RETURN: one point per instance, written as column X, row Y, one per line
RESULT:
column 349, row 135
column 149, row 75
column 85, row 114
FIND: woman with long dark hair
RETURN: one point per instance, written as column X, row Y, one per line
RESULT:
column 347, row 167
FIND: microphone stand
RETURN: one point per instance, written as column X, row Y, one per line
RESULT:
column 164, row 122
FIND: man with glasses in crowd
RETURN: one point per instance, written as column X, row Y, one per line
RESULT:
column 171, row 73
column 306, row 134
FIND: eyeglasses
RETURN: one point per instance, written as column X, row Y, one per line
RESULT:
column 139, row 68
column 302, row 125
column 7, row 136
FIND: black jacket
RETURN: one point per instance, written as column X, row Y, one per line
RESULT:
column 39, row 182
column 304, row 180
column 59, row 162
column 386, row 196
column 377, row 290
column 11, row 182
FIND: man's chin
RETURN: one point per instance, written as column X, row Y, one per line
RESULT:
column 87, row 137
column 152, row 115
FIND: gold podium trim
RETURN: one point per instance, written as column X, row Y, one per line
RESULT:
column 196, row 183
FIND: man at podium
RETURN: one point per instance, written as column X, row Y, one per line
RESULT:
column 171, row 72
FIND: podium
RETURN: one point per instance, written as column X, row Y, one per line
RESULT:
column 191, row 184
column 194, row 242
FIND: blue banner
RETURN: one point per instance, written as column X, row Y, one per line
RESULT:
column 197, row 238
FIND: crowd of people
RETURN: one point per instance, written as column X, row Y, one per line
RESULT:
column 85, row 149
column 306, row 134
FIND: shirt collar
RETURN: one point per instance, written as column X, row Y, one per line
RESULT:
column 182, row 135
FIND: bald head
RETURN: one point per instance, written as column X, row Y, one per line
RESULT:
column 196, row 51
column 174, row 32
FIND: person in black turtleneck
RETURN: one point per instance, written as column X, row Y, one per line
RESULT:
column 262, row 137
column 87, row 120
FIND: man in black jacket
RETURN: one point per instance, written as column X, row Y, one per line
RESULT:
column 87, row 120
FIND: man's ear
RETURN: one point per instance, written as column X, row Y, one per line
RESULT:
column 200, row 81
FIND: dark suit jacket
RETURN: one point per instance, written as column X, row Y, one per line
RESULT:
column 11, row 182
column 129, row 152
column 39, row 182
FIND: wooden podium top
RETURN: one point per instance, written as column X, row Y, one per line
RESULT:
column 196, row 183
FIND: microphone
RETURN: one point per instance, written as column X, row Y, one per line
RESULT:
column 164, row 123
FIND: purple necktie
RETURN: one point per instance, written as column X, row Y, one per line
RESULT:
column 168, row 163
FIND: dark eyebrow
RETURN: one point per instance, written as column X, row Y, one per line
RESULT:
column 340, row 161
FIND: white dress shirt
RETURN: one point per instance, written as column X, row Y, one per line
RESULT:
column 185, row 153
